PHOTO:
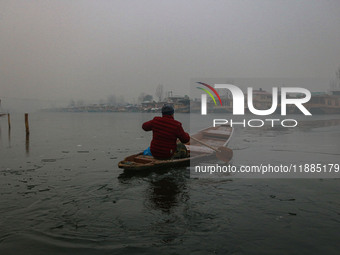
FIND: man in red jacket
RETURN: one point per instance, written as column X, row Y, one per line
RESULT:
column 166, row 130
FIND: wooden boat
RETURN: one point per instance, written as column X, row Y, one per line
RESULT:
column 213, row 136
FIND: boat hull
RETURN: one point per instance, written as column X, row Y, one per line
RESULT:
column 213, row 136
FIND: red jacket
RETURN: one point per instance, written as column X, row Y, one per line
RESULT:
column 166, row 130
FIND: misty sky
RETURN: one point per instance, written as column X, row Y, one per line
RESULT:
column 62, row 50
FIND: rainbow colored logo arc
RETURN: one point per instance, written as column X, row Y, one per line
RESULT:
column 209, row 93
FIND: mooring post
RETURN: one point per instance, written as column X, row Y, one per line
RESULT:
column 26, row 124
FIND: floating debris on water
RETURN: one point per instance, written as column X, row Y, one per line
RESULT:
column 289, row 199
column 282, row 199
column 103, row 186
column 59, row 226
column 43, row 190
column 49, row 160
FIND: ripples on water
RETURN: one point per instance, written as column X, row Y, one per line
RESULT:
column 62, row 193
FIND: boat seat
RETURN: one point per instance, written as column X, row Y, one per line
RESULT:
column 214, row 142
column 143, row 159
column 217, row 133
column 201, row 149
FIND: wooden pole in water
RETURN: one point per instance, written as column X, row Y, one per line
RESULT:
column 9, row 121
column 26, row 124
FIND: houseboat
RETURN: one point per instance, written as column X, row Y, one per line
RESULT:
column 322, row 103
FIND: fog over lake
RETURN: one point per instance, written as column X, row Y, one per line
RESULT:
column 52, row 52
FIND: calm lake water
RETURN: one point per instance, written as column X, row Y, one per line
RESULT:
column 62, row 192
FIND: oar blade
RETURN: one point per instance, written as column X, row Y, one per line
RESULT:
column 225, row 154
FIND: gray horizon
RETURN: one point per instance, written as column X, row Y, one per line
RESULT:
column 52, row 52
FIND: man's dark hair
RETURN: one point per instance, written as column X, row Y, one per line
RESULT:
column 167, row 109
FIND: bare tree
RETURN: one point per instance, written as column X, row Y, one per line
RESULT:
column 159, row 92
column 80, row 103
column 111, row 100
column 141, row 97
column 72, row 103
column 332, row 84
column 226, row 93
column 121, row 100
column 335, row 83
column 337, row 78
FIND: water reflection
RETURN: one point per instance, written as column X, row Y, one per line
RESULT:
column 9, row 138
column 303, row 125
column 9, row 134
column 27, row 144
column 165, row 198
column 307, row 125
column 164, row 193
column 166, row 189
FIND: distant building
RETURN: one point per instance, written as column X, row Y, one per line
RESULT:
column 262, row 100
column 151, row 106
column 323, row 103
column 180, row 104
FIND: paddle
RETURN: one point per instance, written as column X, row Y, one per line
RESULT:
column 222, row 153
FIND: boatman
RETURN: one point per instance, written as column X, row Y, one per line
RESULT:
column 165, row 131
